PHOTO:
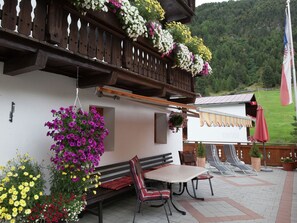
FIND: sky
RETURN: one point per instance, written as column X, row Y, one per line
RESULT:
column 200, row 2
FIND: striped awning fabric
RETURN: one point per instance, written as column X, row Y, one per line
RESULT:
column 211, row 118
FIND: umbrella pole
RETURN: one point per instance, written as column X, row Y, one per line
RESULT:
column 265, row 169
column 264, row 151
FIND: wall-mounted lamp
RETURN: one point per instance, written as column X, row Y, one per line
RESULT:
column 11, row 111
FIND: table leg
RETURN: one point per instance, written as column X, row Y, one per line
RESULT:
column 195, row 196
column 182, row 191
column 171, row 193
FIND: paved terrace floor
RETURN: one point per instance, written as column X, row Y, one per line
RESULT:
column 266, row 198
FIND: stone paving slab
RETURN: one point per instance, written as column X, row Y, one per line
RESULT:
column 239, row 199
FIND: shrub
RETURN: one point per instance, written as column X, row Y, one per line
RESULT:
column 201, row 150
column 255, row 151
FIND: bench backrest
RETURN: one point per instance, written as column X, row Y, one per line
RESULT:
column 116, row 170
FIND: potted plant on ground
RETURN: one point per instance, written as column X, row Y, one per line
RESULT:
column 256, row 157
column 200, row 154
column 288, row 163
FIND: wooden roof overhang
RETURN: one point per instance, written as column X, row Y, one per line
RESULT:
column 99, row 48
column 178, row 10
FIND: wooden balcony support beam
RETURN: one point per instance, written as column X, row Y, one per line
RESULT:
column 24, row 64
column 98, row 80
column 152, row 92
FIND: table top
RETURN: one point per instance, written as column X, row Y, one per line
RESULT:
column 175, row 173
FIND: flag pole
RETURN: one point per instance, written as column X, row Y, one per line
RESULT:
column 292, row 54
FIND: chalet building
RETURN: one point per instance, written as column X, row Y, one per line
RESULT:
column 52, row 55
column 48, row 49
column 217, row 117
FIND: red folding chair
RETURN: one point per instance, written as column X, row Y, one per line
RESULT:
column 145, row 194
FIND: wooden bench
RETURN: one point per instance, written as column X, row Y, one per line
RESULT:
column 116, row 180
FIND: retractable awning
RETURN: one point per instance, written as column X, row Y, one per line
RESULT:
column 211, row 118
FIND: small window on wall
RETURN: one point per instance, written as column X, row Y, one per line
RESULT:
column 161, row 128
column 109, row 119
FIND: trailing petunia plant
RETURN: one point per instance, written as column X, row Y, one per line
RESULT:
column 77, row 150
column 161, row 38
column 99, row 5
column 183, row 57
column 141, row 18
column 133, row 23
column 78, row 139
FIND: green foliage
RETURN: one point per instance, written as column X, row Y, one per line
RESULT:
column 201, row 150
column 287, row 160
column 278, row 118
column 21, row 186
column 294, row 124
column 255, row 151
column 151, row 10
column 244, row 37
column 67, row 182
column 180, row 32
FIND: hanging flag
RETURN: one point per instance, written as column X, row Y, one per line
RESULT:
column 286, row 81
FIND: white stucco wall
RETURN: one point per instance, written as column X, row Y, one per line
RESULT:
column 218, row 134
column 36, row 93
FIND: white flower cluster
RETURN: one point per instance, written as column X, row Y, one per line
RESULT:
column 183, row 57
column 92, row 4
column 197, row 65
column 162, row 39
column 76, row 208
column 133, row 22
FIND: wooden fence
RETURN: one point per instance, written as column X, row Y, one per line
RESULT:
column 274, row 152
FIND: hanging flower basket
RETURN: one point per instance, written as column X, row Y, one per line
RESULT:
column 176, row 121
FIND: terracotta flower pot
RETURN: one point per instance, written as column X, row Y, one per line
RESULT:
column 256, row 163
column 289, row 166
column 201, row 161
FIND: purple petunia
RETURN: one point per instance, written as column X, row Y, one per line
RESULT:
column 78, row 139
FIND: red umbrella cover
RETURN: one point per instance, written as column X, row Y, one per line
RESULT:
column 261, row 131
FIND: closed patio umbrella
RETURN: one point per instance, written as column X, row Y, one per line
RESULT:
column 261, row 133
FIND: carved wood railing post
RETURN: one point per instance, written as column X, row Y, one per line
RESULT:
column 170, row 73
column 127, row 54
column 55, row 21
column 107, row 47
column 25, row 19
column 9, row 14
column 73, row 35
column 39, row 20
column 83, row 38
column 92, row 41
column 64, row 30
column 100, row 48
column 116, row 51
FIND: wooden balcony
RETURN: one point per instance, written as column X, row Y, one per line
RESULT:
column 53, row 36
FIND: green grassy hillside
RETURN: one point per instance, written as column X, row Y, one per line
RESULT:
column 278, row 117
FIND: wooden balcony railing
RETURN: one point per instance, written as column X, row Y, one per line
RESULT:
column 274, row 152
column 54, row 28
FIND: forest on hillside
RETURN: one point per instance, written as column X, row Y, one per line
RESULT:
column 246, row 41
